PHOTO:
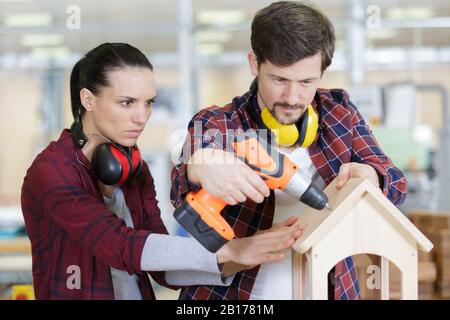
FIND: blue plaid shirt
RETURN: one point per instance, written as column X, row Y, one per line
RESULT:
column 343, row 137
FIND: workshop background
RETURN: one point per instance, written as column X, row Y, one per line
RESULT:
column 393, row 57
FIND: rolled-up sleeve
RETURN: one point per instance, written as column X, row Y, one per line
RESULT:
column 203, row 132
column 367, row 150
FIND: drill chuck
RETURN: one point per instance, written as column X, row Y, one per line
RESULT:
column 301, row 187
column 314, row 197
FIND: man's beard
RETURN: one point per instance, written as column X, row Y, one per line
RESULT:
column 281, row 118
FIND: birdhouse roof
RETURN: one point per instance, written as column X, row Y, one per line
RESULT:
column 320, row 222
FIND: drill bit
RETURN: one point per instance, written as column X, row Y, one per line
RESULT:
column 328, row 207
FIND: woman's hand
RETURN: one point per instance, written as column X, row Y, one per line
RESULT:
column 264, row 246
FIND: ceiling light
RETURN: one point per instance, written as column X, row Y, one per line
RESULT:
column 209, row 49
column 14, row 1
column 379, row 34
column 28, row 20
column 410, row 13
column 50, row 53
column 221, row 17
column 40, row 40
column 422, row 134
column 212, row 36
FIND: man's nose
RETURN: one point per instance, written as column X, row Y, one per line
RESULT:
column 292, row 94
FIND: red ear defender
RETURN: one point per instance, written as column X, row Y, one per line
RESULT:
column 136, row 160
column 122, row 158
column 114, row 165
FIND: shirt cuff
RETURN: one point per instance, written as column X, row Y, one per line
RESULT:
column 163, row 252
column 193, row 278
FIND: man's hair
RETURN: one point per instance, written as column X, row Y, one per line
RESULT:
column 285, row 32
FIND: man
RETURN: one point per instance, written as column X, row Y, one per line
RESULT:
column 292, row 45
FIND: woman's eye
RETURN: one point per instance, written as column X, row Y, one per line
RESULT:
column 126, row 103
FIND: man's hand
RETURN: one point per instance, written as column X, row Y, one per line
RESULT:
column 356, row 170
column 226, row 177
column 247, row 253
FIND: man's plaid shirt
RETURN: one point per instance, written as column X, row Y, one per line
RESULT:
column 343, row 137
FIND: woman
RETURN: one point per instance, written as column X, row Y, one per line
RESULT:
column 89, row 201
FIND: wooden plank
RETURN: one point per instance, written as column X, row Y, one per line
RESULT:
column 319, row 278
column 426, row 256
column 426, row 219
column 427, row 271
column 426, row 290
column 15, row 263
column 443, row 288
column 384, row 279
column 297, row 271
column 17, row 245
column 409, row 284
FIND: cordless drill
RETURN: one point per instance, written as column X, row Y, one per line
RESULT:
column 200, row 212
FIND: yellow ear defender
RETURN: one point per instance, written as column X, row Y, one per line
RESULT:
column 304, row 132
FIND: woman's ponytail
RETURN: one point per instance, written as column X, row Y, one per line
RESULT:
column 75, row 88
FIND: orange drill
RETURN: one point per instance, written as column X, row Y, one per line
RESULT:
column 200, row 214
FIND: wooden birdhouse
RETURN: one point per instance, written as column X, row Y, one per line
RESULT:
column 362, row 221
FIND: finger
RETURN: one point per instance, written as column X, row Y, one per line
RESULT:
column 299, row 225
column 273, row 235
column 224, row 192
column 250, row 192
column 229, row 200
column 297, row 234
column 238, row 196
column 360, row 170
column 280, row 242
column 296, row 230
column 286, row 223
column 258, row 183
column 343, row 176
column 288, row 243
column 272, row 257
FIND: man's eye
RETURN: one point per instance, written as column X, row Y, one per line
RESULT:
column 150, row 104
column 279, row 80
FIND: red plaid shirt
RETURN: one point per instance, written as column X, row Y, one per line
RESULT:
column 344, row 137
column 71, row 229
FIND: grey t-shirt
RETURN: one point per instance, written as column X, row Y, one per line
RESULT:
column 185, row 261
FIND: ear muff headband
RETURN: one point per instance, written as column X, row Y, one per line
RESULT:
column 125, row 163
column 303, row 132
column 135, row 158
column 110, row 163
column 285, row 135
column 308, row 127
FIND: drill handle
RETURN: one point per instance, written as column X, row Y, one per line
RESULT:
column 209, row 208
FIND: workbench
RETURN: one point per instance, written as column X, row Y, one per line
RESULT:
column 15, row 262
